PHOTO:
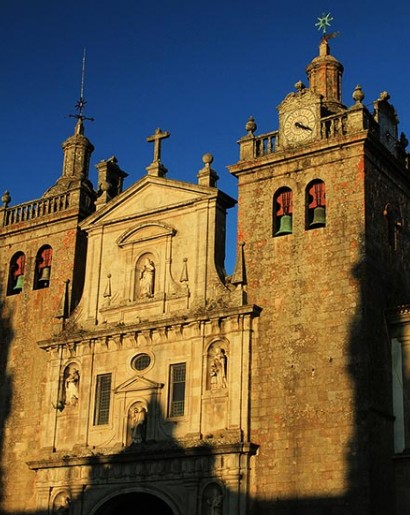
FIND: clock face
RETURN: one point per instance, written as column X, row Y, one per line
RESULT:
column 299, row 126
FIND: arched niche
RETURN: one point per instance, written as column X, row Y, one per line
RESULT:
column 70, row 388
column 217, row 365
column 137, row 423
column 212, row 499
column 146, row 277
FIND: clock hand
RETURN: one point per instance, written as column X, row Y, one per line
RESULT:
column 301, row 126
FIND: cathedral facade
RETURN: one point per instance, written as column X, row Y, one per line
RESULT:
column 136, row 374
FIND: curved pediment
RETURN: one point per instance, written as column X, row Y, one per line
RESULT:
column 299, row 98
column 144, row 232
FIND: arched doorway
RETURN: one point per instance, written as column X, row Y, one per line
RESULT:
column 133, row 503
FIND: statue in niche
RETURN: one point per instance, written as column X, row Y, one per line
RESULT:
column 138, row 422
column 71, row 385
column 215, row 504
column 218, row 369
column 212, row 500
column 62, row 504
column 146, row 279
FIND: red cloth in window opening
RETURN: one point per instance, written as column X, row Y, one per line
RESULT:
column 45, row 258
column 317, row 192
column 284, row 200
column 18, row 268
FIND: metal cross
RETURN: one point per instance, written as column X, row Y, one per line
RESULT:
column 80, row 105
column 156, row 138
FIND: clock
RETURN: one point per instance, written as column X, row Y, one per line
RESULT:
column 299, row 125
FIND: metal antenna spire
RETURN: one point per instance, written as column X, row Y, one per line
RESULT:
column 80, row 105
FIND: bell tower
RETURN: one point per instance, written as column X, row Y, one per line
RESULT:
column 324, row 262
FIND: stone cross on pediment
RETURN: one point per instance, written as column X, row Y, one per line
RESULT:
column 156, row 167
column 156, row 138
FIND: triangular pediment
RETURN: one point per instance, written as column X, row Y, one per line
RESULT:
column 149, row 195
column 137, row 384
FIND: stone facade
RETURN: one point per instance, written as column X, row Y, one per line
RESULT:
column 135, row 372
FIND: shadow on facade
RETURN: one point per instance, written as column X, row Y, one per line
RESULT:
column 161, row 475
column 172, row 478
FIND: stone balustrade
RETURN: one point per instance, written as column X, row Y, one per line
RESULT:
column 35, row 209
column 265, row 144
column 330, row 127
column 333, row 126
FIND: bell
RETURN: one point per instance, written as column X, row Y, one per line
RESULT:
column 285, row 226
column 19, row 283
column 319, row 217
column 44, row 275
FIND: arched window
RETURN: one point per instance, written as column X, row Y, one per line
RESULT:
column 42, row 271
column 315, row 204
column 16, row 273
column 282, row 212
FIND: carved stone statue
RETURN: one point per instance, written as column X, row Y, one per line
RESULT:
column 146, row 279
column 212, row 502
column 215, row 504
column 62, row 505
column 138, row 419
column 71, row 384
column 217, row 369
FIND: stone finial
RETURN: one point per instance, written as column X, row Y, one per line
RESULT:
column 299, row 86
column 207, row 176
column 107, row 291
column 184, row 272
column 239, row 275
column 403, row 140
column 251, row 126
column 207, row 159
column 358, row 94
column 384, row 96
column 6, row 199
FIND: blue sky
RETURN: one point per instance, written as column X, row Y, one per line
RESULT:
column 197, row 69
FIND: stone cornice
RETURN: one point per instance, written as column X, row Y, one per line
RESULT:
column 76, row 335
column 146, row 452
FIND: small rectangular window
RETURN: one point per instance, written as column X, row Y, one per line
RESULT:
column 177, row 390
column 102, row 399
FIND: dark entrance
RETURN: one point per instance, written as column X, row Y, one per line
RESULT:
column 134, row 503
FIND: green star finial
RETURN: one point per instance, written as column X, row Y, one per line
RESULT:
column 323, row 22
